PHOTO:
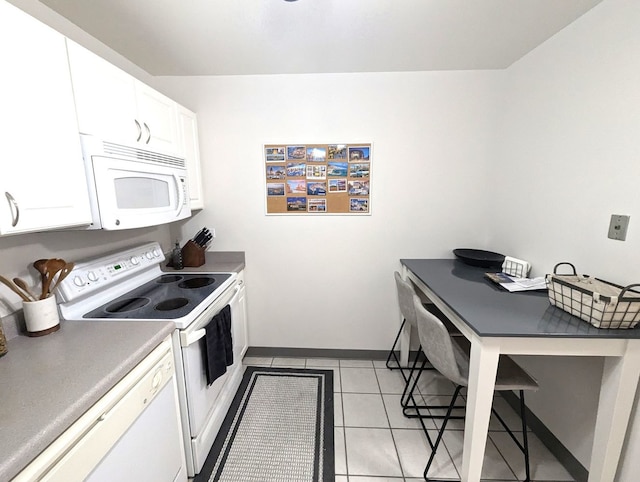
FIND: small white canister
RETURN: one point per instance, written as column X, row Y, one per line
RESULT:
column 41, row 316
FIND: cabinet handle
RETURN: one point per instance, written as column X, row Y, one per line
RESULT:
column 148, row 132
column 13, row 206
column 139, row 130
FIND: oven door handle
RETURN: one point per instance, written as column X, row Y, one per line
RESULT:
column 190, row 338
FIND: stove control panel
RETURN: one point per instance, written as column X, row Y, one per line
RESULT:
column 102, row 272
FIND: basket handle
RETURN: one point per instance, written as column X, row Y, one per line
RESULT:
column 627, row 288
column 555, row 268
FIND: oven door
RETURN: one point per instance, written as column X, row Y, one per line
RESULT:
column 133, row 194
column 201, row 398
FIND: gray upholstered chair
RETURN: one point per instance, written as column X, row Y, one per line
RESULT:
column 449, row 358
column 406, row 295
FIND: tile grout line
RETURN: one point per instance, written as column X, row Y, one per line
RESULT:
column 395, row 445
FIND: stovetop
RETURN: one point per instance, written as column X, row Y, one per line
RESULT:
column 167, row 297
column 128, row 285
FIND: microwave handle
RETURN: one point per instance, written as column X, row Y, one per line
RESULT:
column 180, row 190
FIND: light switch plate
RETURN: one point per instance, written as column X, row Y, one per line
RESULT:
column 618, row 227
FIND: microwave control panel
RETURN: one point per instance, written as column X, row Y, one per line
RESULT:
column 100, row 273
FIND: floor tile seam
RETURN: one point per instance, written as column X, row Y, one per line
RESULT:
column 395, row 445
column 490, row 440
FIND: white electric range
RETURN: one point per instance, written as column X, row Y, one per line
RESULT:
column 129, row 285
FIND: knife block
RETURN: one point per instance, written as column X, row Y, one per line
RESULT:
column 192, row 255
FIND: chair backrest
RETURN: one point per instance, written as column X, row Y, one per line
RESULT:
column 437, row 344
column 405, row 299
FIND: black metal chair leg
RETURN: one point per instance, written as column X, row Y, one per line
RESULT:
column 441, row 432
column 525, row 441
column 392, row 352
column 406, row 408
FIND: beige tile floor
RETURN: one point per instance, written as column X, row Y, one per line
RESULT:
column 374, row 442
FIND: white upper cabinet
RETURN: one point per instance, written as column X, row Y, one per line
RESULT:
column 42, row 180
column 113, row 105
column 188, row 124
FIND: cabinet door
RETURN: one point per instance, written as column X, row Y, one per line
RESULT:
column 42, row 185
column 158, row 115
column 188, row 124
column 105, row 97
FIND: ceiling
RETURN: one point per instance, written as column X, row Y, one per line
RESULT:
column 236, row 37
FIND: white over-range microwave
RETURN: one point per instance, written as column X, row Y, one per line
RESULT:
column 131, row 187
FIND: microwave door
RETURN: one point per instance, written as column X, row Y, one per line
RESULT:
column 136, row 194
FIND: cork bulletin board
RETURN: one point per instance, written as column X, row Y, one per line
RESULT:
column 318, row 178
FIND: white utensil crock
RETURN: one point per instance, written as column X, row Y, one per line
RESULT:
column 41, row 317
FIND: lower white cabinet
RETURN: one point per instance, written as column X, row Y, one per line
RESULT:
column 43, row 184
column 188, row 124
column 132, row 433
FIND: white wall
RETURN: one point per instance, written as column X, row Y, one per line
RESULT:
column 562, row 158
column 570, row 148
column 326, row 281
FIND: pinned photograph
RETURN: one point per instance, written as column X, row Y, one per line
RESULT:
column 337, row 169
column 317, row 188
column 296, row 204
column 358, row 188
column 296, row 169
column 296, row 152
column 359, row 153
column 317, row 206
column 276, row 172
column 274, row 154
column 360, row 205
column 275, row 189
column 318, row 171
column 296, row 187
column 359, row 170
column 316, row 154
column 337, row 151
column 337, row 185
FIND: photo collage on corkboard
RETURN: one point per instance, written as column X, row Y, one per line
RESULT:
column 318, row 178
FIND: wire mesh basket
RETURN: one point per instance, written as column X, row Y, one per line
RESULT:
column 598, row 302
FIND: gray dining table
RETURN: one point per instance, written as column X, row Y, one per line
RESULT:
column 497, row 322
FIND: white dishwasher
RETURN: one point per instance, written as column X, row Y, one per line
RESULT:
column 132, row 433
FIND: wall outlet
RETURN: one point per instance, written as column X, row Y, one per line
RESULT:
column 618, row 227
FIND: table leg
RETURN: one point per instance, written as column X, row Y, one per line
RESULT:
column 617, row 392
column 405, row 336
column 482, row 379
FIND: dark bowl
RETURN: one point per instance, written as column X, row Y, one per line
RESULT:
column 478, row 257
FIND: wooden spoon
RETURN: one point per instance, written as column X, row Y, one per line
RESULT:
column 40, row 268
column 14, row 288
column 21, row 284
column 64, row 272
column 51, row 267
